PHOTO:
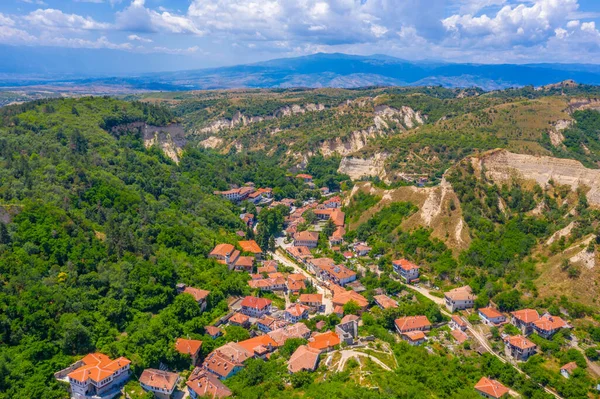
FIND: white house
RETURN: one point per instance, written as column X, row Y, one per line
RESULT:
column 406, row 269
column 459, row 298
column 96, row 375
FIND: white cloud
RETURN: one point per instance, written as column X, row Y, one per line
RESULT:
column 139, row 39
column 56, row 19
column 513, row 24
column 138, row 18
column 6, row 21
column 10, row 35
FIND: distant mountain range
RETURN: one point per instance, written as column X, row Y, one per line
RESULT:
column 317, row 70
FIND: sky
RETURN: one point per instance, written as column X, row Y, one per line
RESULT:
column 209, row 33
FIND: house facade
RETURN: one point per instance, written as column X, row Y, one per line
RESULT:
column 161, row 383
column 256, row 307
column 459, row 299
column 523, row 319
column 96, row 375
column 491, row 317
column 519, row 347
column 406, row 269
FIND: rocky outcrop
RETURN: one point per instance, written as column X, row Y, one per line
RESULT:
column 240, row 119
column 357, row 168
column 407, row 117
column 353, row 143
column 504, row 166
column 556, row 136
column 211, row 142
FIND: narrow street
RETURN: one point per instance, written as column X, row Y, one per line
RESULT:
column 281, row 258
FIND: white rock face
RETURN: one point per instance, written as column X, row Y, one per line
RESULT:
column 357, row 168
column 556, row 136
column 502, row 166
column 405, row 116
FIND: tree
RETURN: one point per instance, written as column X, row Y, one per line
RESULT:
column 79, row 143
column 592, row 354
column 272, row 244
column 290, row 346
column 301, row 378
column 329, row 228
column 351, row 307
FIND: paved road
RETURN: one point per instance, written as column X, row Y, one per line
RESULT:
column 476, row 334
column 281, row 258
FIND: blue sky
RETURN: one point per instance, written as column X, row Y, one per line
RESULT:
column 205, row 33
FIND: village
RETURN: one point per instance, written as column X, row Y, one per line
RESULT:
column 301, row 291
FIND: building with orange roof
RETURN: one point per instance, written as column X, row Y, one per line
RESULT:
column 295, row 286
column 491, row 317
column 304, row 358
column 260, row 346
column 160, row 383
column 305, row 177
column 457, row 323
column 267, row 324
column 213, row 332
column 244, row 264
column 226, row 361
column 239, row 320
column 338, row 310
column 300, row 253
column 412, row 323
column 96, row 375
column 406, row 269
column 489, row 388
column 459, row 335
column 198, row 294
column 296, row 312
column 225, row 253
column 282, row 334
column 189, row 347
column 385, row 302
column 333, row 202
column 202, row 384
column 548, row 325
column 270, row 268
column 324, row 342
column 314, row 301
column 519, row 347
column 362, row 249
column 459, row 298
column 306, row 238
column 252, row 247
column 568, row 369
column 340, row 298
column 523, row 319
column 414, row 338
column 256, row 307
column 268, row 284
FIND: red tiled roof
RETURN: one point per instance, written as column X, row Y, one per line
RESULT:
column 282, row 334
column 198, row 294
column 385, row 301
column 304, row 358
column 411, row 323
column 212, row 330
column 458, row 320
column 405, row 264
column 245, row 262
column 490, row 313
column 342, row 298
column 526, row 315
column 460, row 294
column 188, row 346
column 207, row 385
column 569, row 367
column 311, row 298
column 299, row 251
column 256, row 303
column 159, row 379
column 296, row 310
column 306, row 236
column 250, row 246
column 323, row 341
column 261, row 341
column 492, row 388
column 295, row 285
column 414, row 335
column 239, row 318
column 348, row 318
column 459, row 336
column 224, row 359
column 222, row 250
column 520, row 342
column 96, row 367
column 550, row 323
column 303, row 176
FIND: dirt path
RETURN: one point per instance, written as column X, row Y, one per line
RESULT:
column 349, row 354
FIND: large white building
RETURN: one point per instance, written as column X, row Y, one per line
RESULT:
column 96, row 376
column 459, row 298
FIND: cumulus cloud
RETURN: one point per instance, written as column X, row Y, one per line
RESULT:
column 138, row 18
column 56, row 19
column 513, row 24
